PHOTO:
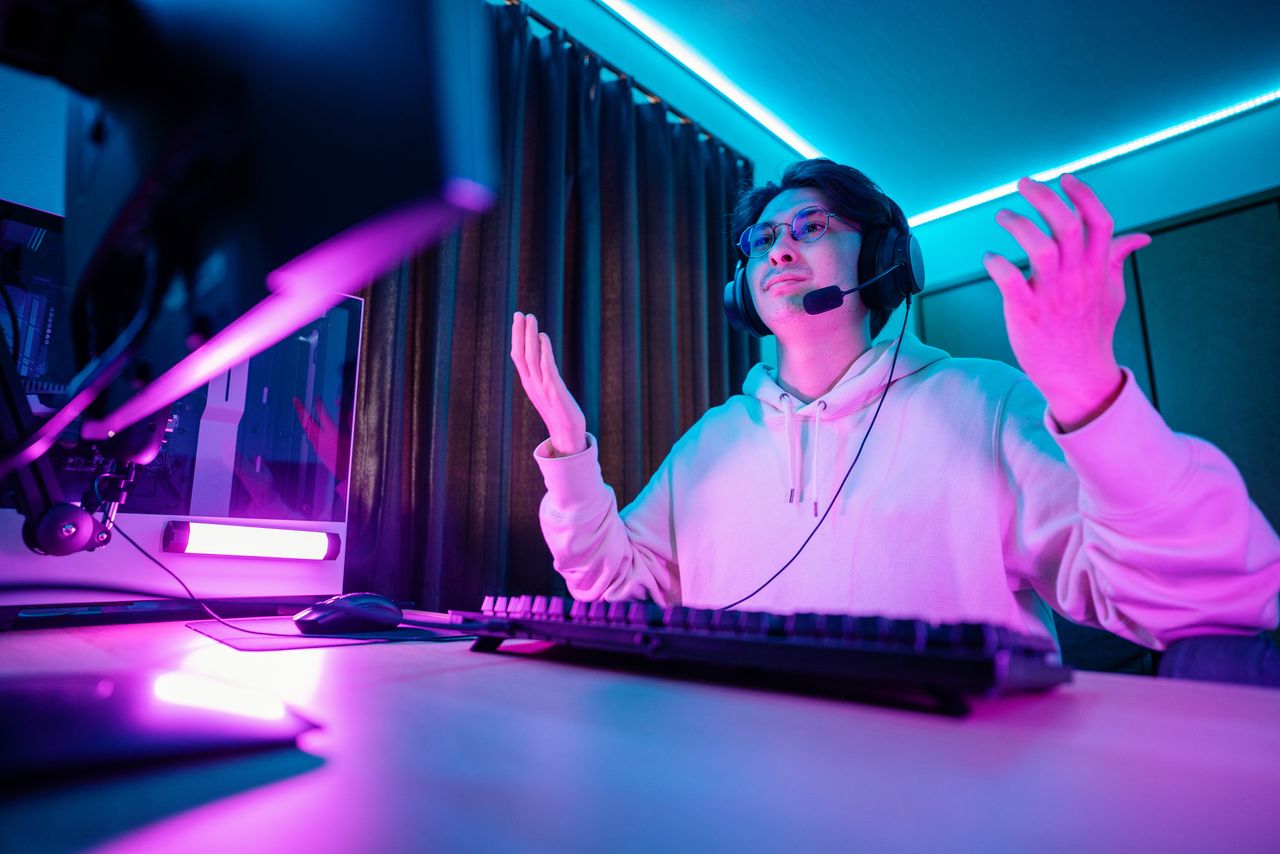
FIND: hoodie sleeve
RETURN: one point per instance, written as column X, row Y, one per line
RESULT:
column 1127, row 525
column 604, row 554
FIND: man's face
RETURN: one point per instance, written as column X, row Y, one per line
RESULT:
column 780, row 279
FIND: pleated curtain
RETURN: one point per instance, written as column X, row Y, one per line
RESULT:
column 611, row 227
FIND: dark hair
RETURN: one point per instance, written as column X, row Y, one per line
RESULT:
column 848, row 192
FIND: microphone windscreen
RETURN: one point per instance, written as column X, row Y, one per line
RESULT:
column 823, row 299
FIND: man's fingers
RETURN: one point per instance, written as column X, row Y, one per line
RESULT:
column 550, row 369
column 517, row 343
column 1125, row 245
column 1008, row 278
column 532, row 350
column 1040, row 248
column 550, row 372
column 1098, row 223
column 1063, row 222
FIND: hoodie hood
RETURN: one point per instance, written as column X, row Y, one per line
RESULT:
column 859, row 386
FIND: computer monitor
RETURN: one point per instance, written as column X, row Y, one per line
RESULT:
column 265, row 446
column 235, row 171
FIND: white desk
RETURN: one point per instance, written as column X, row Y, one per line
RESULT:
column 434, row 747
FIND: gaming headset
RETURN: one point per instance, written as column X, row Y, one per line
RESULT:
column 890, row 268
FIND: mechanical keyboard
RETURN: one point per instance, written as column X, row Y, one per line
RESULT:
column 905, row 662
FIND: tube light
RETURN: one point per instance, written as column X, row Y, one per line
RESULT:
column 207, row 538
column 1094, row 159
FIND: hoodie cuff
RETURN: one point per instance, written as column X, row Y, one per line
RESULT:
column 574, row 482
column 1127, row 459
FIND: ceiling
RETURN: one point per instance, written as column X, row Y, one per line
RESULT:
column 937, row 100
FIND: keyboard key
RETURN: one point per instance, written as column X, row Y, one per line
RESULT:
column 726, row 621
column 831, row 626
column 598, row 612
column 945, row 637
column 617, row 612
column 676, row 617
column 979, row 637
column 580, row 611
column 486, row 607
column 909, row 633
column 555, row 608
column 644, row 614
column 775, row 625
column 700, row 619
column 500, row 606
column 802, row 625
column 871, row 628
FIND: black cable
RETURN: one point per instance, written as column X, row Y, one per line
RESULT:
column 847, row 474
column 210, row 612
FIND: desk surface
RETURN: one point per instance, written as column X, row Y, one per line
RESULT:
column 434, row 747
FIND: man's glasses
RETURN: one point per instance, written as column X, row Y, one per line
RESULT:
column 807, row 226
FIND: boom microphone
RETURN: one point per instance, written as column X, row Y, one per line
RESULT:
column 829, row 298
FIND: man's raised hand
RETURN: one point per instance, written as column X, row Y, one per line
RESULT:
column 536, row 364
column 1062, row 320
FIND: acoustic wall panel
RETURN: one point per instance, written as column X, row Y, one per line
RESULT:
column 1212, row 297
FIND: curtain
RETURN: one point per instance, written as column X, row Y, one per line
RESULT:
column 610, row 226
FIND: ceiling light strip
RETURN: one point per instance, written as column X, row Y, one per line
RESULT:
column 1094, row 159
column 674, row 47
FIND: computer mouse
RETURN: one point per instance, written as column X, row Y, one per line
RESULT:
column 347, row 613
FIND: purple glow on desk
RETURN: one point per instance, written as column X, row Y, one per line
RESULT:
column 295, row 676
column 302, row 290
column 190, row 690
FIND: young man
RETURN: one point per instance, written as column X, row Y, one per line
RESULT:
column 962, row 490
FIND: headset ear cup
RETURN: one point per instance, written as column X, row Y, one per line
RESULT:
column 874, row 259
column 912, row 273
column 883, row 248
column 739, row 308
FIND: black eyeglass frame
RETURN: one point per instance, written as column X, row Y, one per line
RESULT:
column 775, row 227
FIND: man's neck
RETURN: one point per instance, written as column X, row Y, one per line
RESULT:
column 809, row 369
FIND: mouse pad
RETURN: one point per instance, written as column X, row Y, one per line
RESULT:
column 291, row 638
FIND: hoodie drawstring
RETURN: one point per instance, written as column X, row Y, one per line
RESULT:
column 813, row 468
column 795, row 464
column 792, row 446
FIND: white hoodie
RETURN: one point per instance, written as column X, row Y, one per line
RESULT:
column 967, row 504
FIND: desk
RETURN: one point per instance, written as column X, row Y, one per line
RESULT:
column 434, row 747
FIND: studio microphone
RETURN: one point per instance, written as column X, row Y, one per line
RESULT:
column 829, row 298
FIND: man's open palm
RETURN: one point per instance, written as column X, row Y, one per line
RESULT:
column 536, row 364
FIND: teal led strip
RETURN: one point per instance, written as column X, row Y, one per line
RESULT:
column 675, row 48
column 1094, row 159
